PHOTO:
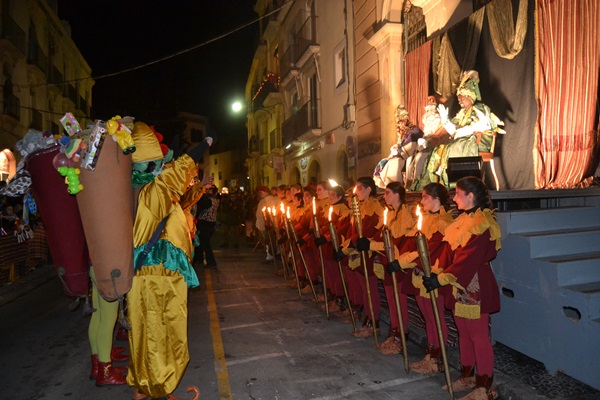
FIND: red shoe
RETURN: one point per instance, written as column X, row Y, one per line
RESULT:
column 107, row 375
column 116, row 354
column 94, row 372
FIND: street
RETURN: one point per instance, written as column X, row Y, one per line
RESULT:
column 250, row 337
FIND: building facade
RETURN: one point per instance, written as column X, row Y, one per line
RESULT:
column 300, row 94
column 43, row 74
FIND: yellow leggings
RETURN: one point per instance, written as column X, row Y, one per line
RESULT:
column 102, row 323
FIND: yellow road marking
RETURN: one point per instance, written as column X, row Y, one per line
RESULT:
column 215, row 330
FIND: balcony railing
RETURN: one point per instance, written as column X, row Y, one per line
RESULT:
column 306, row 36
column 13, row 32
column 253, row 145
column 269, row 85
column 305, row 119
column 286, row 64
column 12, row 106
column 36, row 120
column 37, row 57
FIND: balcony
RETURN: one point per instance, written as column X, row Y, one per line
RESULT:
column 306, row 41
column 36, row 120
column 72, row 93
column 12, row 107
column 253, row 145
column 13, row 33
column 37, row 57
column 302, row 124
column 287, row 62
column 269, row 85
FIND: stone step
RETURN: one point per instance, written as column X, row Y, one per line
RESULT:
column 551, row 219
column 575, row 269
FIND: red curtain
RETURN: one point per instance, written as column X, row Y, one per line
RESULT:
column 418, row 64
column 566, row 91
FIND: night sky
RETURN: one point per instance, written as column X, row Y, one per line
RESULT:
column 116, row 35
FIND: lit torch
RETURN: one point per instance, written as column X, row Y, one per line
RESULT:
column 358, row 225
column 318, row 235
column 389, row 253
column 423, row 249
column 336, row 246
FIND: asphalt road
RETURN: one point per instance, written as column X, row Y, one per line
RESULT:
column 250, row 337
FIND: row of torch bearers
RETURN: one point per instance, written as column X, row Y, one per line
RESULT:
column 271, row 215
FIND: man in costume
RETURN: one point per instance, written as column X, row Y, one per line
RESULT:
column 157, row 301
column 470, row 130
column 390, row 169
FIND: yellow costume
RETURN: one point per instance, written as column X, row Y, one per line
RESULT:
column 157, row 302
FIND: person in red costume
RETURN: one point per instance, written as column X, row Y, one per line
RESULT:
column 371, row 214
column 434, row 199
column 399, row 222
column 475, row 238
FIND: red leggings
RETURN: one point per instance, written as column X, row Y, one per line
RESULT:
column 374, row 296
column 430, row 326
column 475, row 345
column 391, row 299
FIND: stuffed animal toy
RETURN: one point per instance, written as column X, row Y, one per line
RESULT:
column 121, row 134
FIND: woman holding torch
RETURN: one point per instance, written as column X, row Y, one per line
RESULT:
column 398, row 221
column 435, row 220
column 475, row 238
column 368, row 218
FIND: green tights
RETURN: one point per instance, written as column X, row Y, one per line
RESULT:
column 102, row 323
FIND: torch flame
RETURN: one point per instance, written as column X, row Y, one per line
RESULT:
column 274, row 211
column 333, row 183
column 264, row 208
column 282, row 208
column 385, row 212
column 314, row 206
column 288, row 213
column 420, row 221
column 330, row 212
column 354, row 190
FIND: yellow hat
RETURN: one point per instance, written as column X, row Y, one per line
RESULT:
column 146, row 143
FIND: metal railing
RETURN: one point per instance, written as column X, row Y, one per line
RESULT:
column 306, row 36
column 13, row 33
column 12, row 106
column 299, row 123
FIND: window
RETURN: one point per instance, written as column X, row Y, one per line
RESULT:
column 220, row 175
column 339, row 65
column 216, row 160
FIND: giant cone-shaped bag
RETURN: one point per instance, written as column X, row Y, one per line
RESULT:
column 106, row 207
column 62, row 222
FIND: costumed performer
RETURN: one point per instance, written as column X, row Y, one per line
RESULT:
column 157, row 301
column 390, row 169
column 265, row 200
column 434, row 199
column 371, row 213
column 471, row 129
column 399, row 223
column 434, row 134
column 475, row 238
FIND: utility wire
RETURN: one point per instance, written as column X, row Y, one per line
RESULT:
column 124, row 71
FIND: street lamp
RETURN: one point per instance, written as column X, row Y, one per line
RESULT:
column 237, row 106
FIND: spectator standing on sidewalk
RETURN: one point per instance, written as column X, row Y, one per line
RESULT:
column 206, row 214
column 231, row 210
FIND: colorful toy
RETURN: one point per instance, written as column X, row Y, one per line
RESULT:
column 71, row 175
column 121, row 134
column 70, row 123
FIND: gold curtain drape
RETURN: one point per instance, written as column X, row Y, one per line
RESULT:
column 507, row 38
column 446, row 69
column 567, row 67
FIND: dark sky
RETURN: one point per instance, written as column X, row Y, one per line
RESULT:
column 116, row 35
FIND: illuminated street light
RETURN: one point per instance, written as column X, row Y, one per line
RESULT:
column 237, row 106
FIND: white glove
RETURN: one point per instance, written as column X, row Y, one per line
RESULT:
column 443, row 111
column 449, row 127
column 422, row 144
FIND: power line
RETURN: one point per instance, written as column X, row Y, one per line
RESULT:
column 178, row 53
